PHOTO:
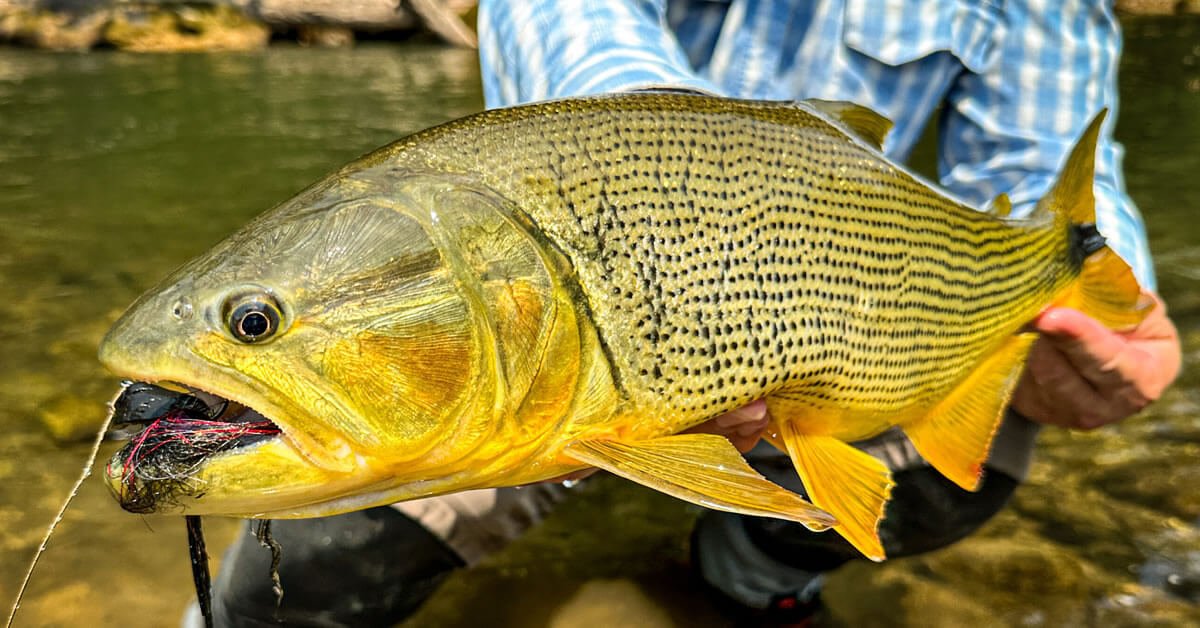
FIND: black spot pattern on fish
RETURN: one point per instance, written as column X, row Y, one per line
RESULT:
column 730, row 250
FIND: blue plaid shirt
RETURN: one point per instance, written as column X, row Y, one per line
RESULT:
column 1017, row 80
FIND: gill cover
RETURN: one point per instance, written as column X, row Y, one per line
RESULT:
column 412, row 310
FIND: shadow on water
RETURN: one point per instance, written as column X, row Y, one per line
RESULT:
column 116, row 168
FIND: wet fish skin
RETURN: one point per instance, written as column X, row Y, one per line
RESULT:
column 508, row 297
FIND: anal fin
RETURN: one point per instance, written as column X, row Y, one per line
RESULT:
column 704, row 469
column 851, row 484
column 956, row 434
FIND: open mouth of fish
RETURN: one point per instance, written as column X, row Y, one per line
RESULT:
column 175, row 429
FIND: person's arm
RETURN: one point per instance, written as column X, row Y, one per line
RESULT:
column 541, row 49
column 1009, row 129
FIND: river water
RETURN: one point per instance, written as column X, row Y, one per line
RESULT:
column 115, row 168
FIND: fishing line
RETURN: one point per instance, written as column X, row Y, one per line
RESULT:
column 262, row 531
column 87, row 472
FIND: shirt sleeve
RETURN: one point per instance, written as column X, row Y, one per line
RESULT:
column 1011, row 126
column 540, row 49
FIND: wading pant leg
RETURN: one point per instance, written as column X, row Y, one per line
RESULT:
column 373, row 567
column 754, row 560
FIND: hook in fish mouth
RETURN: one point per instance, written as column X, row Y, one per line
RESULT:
column 180, row 428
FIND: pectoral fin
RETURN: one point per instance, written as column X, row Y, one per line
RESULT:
column 852, row 485
column 956, row 435
column 704, row 469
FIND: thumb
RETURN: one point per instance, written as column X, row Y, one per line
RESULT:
column 1087, row 344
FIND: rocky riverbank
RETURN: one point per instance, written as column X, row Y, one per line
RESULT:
column 195, row 25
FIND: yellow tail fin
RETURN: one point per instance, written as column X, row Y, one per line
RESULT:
column 1107, row 289
column 1071, row 199
column 1108, row 292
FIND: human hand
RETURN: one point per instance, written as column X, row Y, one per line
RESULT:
column 1083, row 375
column 743, row 426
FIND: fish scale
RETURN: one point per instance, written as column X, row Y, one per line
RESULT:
column 732, row 249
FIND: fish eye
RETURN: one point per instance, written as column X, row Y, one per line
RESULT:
column 253, row 318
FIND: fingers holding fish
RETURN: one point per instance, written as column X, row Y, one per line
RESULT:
column 1095, row 351
column 743, row 426
column 1052, row 391
column 1146, row 357
column 1083, row 375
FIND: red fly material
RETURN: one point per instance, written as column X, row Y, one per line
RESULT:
column 173, row 446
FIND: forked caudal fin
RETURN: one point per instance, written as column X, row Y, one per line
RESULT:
column 1106, row 289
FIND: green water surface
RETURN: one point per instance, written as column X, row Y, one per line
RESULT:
column 116, row 168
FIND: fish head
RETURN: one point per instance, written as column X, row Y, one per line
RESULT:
column 341, row 344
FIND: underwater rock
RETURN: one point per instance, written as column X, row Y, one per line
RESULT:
column 72, row 403
column 324, row 36
column 1138, row 606
column 610, row 603
column 862, row 594
column 72, row 417
column 1022, row 565
column 1015, row 580
column 1177, row 575
column 1022, row 579
column 1172, row 562
column 52, row 31
column 1166, row 483
column 1089, row 521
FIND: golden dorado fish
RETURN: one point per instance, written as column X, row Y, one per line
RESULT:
column 526, row 292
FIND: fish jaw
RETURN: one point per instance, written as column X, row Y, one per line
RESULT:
column 269, row 479
column 287, row 467
column 266, row 475
column 218, row 475
column 148, row 344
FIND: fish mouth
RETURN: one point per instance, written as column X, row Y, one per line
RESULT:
column 176, row 429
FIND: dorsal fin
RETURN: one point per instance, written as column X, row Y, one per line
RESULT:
column 1001, row 207
column 864, row 123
